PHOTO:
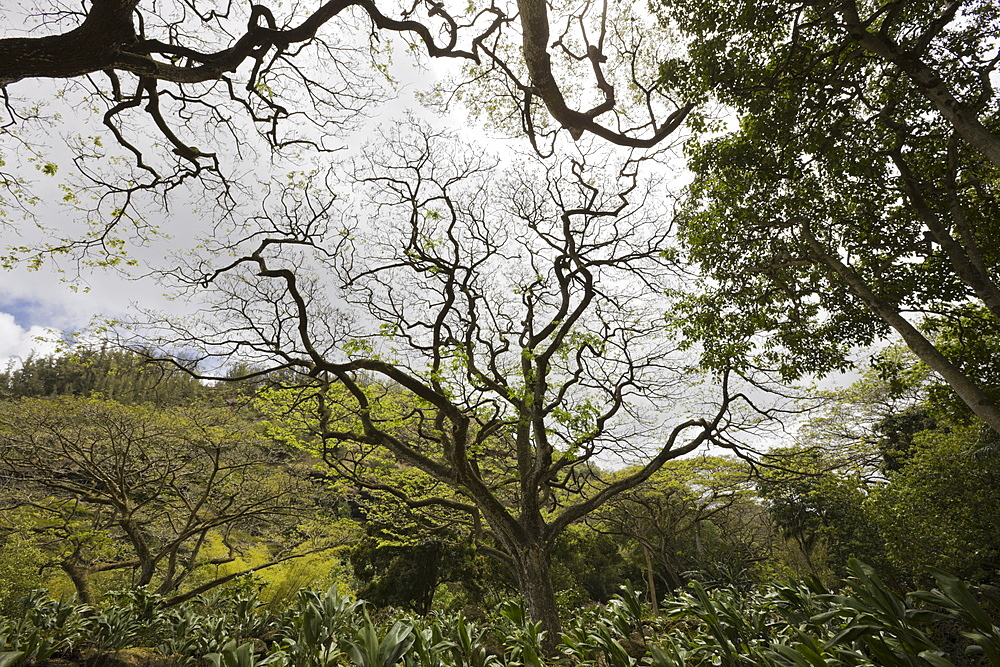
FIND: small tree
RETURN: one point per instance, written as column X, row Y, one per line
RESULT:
column 692, row 515
column 103, row 487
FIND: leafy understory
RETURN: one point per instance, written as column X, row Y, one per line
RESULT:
column 800, row 624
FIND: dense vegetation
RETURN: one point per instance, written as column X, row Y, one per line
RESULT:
column 795, row 625
column 220, row 560
column 451, row 378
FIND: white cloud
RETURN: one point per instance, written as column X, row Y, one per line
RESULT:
column 18, row 343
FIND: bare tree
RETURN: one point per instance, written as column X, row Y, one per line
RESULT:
column 113, row 487
column 496, row 333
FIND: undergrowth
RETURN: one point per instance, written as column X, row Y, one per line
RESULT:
column 801, row 624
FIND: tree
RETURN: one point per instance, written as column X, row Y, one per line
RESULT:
column 940, row 509
column 893, row 472
column 863, row 426
column 408, row 575
column 493, row 338
column 185, row 95
column 102, row 487
column 858, row 192
column 818, row 491
column 695, row 515
column 821, row 506
column 591, row 566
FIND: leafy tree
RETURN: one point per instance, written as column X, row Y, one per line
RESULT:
column 897, row 436
column 505, row 335
column 940, row 508
column 100, row 487
column 21, row 571
column 891, row 471
column 591, row 565
column 696, row 515
column 970, row 338
column 822, row 507
column 408, row 575
column 856, row 193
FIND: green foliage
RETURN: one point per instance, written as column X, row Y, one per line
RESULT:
column 112, row 374
column 955, row 597
column 590, row 564
column 695, row 516
column 821, row 507
column 867, row 624
column 20, row 570
column 897, row 432
column 162, row 492
column 970, row 338
column 131, row 618
column 374, row 649
column 311, row 631
column 408, row 575
column 43, row 628
column 839, row 184
column 864, row 624
column 889, row 474
column 601, row 636
column 468, row 644
column 522, row 638
column 941, row 508
column 242, row 655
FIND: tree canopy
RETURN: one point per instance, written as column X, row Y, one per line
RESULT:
column 103, row 487
column 856, row 194
column 497, row 336
column 118, row 375
column 182, row 101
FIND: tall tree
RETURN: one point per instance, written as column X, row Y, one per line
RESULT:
column 858, row 192
column 819, row 504
column 498, row 333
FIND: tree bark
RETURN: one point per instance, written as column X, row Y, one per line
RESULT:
column 650, row 581
column 970, row 393
column 90, row 47
column 81, row 581
column 927, row 81
column 535, row 583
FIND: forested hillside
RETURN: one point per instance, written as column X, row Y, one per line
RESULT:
column 174, row 493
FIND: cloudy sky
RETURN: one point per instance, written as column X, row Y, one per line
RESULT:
column 37, row 306
column 65, row 298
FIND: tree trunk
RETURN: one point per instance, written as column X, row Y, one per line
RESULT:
column 147, row 562
column 80, row 577
column 973, row 396
column 90, row 47
column 650, row 582
column 535, row 583
column 926, row 80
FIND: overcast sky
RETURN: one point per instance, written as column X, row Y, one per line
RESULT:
column 61, row 297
